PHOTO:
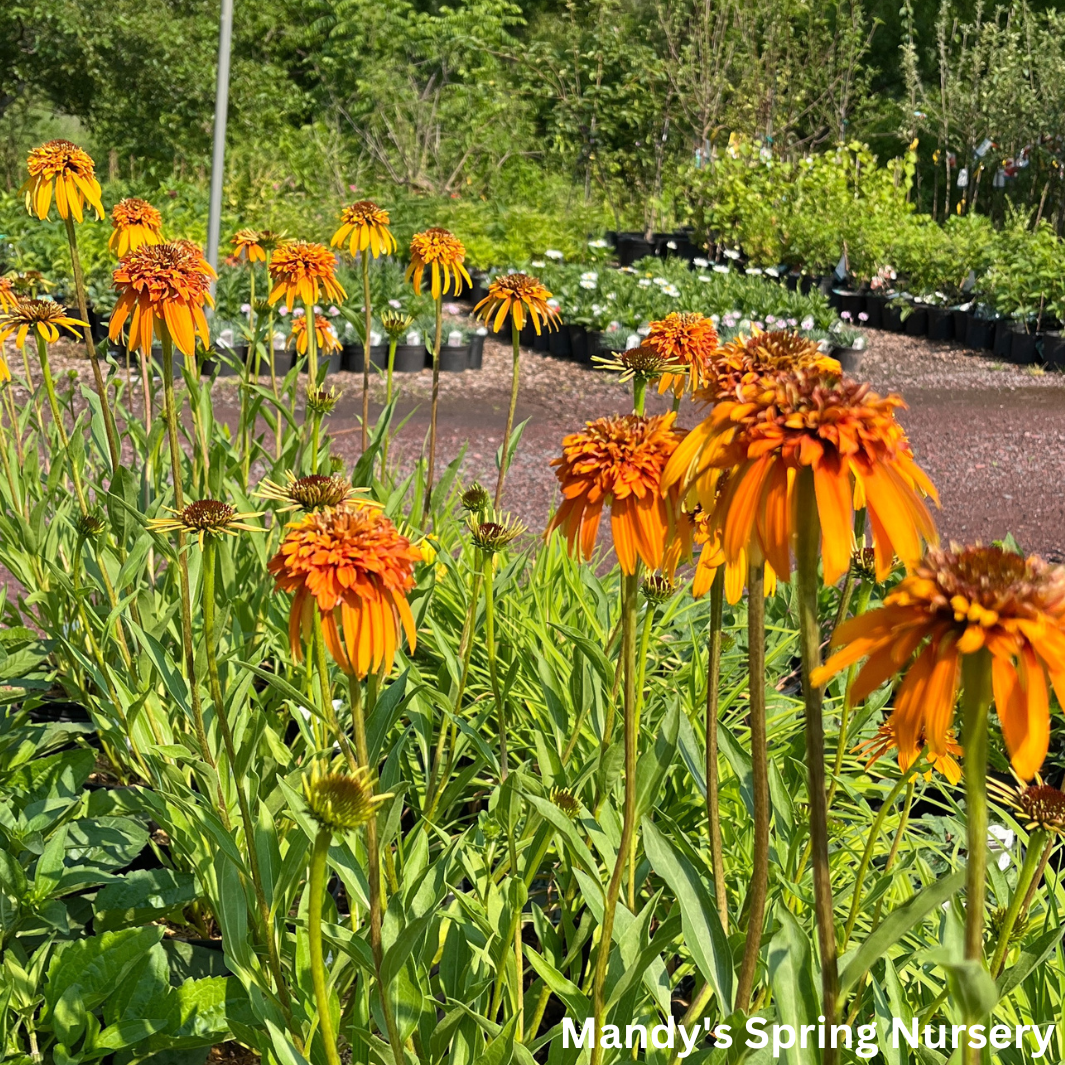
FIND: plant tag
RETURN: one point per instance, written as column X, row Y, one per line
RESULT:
column 963, row 178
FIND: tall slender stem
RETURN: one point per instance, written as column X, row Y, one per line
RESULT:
column 641, row 672
column 515, row 380
column 170, row 415
column 57, row 417
column 365, row 256
column 392, row 341
column 760, row 780
column 1032, row 861
column 316, row 889
column 373, row 872
column 713, row 698
column 806, row 582
column 312, row 377
column 90, row 346
column 976, row 699
column 639, row 394
column 629, row 585
column 487, row 570
column 431, row 473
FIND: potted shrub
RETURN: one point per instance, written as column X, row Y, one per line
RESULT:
column 979, row 329
column 847, row 346
column 410, row 357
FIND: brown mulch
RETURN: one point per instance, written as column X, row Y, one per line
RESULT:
column 991, row 436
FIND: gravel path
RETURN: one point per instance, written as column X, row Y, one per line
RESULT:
column 991, row 436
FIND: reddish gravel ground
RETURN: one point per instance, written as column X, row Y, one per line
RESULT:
column 991, row 436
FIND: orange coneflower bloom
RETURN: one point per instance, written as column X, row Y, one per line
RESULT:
column 134, row 222
column 246, row 246
column 366, row 225
column 8, row 298
column 774, row 426
column 442, row 253
column 885, row 741
column 5, row 371
column 518, row 295
column 300, row 269
column 617, row 462
column 73, row 173
column 353, row 565
column 324, row 334
column 687, row 338
column 163, row 285
column 44, row 317
column 960, row 601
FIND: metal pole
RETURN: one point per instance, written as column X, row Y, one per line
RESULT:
column 218, row 153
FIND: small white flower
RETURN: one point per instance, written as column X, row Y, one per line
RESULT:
column 334, row 311
column 613, row 327
column 706, row 278
column 720, row 268
column 644, row 282
column 715, row 318
column 538, row 263
column 396, row 304
column 589, row 275
column 611, row 295
column 283, row 310
column 317, row 309
column 770, row 318
column 754, row 271
column 808, row 322
column 660, row 280
column 772, row 271
column 671, row 244
column 552, row 253
column 245, row 308
column 597, row 309
column 671, row 290
column 553, row 303
column 731, row 253
column 701, row 263
column 590, row 285
column 598, row 244
column 298, row 312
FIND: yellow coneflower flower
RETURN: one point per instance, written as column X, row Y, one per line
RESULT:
column 134, row 222
column 205, row 517
column 163, row 285
column 1038, row 805
column 642, row 364
column 313, row 492
column 71, row 171
column 617, row 462
column 442, row 254
column 352, row 565
column 954, row 603
column 567, row 802
column 8, row 298
column 324, row 334
column 341, row 802
column 364, row 226
column 300, row 270
column 519, row 296
column 395, row 324
column 45, row 317
column 247, row 246
column 494, row 533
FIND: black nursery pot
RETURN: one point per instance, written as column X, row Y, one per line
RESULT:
column 874, row 308
column 351, row 358
column 410, row 358
column 979, row 333
column 541, row 342
column 849, row 359
column 579, row 348
column 961, row 323
column 632, row 249
column 891, row 319
column 454, row 359
column 558, row 343
column 1054, row 350
column 476, row 356
column 1003, row 342
column 1023, row 348
column 853, row 303
column 917, row 322
column 940, row 323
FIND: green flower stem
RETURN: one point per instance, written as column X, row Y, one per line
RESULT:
column 316, row 889
column 171, row 418
column 515, row 379
column 760, row 780
column 373, row 872
column 16, row 432
column 312, row 377
column 641, row 672
column 57, row 417
column 867, row 853
column 848, row 584
column 1038, row 878
column 16, row 497
column 629, row 585
column 806, row 581
column 431, row 472
column 251, row 370
column 33, row 392
column 365, row 256
column 713, row 699
column 639, row 394
column 1032, row 859
column 325, row 690
column 273, row 383
column 90, row 347
column 392, row 342
column 976, row 699
column 488, row 572
column 210, row 553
